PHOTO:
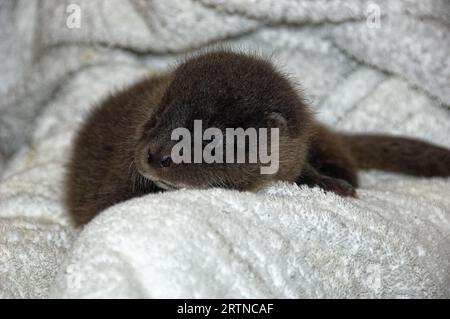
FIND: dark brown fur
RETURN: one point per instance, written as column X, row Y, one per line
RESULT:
column 110, row 161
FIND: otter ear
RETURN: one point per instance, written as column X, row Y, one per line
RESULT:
column 276, row 119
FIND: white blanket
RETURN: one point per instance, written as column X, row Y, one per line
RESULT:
column 284, row 241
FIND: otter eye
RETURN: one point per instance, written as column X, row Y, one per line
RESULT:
column 165, row 161
column 150, row 158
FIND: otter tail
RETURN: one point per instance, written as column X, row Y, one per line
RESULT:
column 398, row 154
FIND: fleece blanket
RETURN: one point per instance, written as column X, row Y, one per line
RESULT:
column 378, row 66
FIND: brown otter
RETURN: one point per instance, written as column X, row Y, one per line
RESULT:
column 123, row 149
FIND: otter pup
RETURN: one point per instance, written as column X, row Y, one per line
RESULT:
column 123, row 150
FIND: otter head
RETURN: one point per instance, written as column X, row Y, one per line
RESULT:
column 208, row 96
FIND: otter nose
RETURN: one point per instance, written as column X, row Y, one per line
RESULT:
column 162, row 161
column 165, row 161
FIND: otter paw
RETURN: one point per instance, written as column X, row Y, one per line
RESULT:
column 337, row 186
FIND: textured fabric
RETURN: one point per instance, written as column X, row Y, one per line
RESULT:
column 284, row 241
